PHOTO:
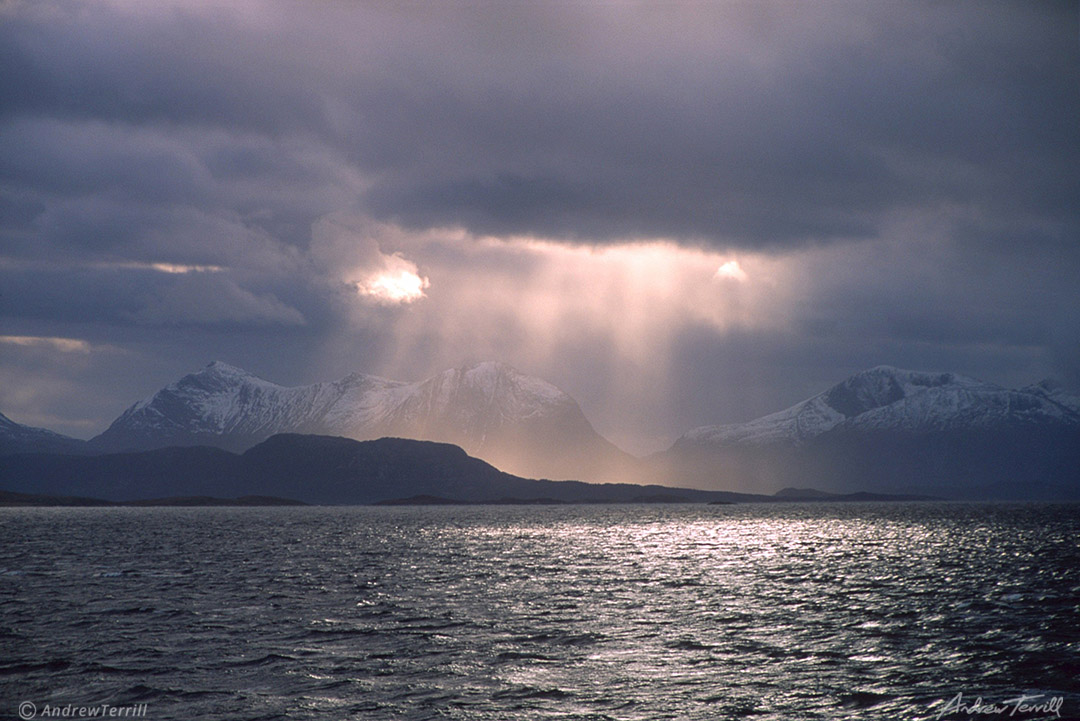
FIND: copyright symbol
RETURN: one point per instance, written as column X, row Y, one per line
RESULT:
column 27, row 710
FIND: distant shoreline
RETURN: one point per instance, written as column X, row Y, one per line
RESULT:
column 10, row 499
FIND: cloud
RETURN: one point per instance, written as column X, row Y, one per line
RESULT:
column 398, row 282
column 738, row 126
column 731, row 270
column 643, row 201
column 656, row 326
column 350, row 248
column 211, row 299
column 123, row 294
column 64, row 345
column 57, row 382
column 599, row 321
column 171, row 268
column 757, row 126
column 178, row 194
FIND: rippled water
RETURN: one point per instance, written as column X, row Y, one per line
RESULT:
column 582, row 612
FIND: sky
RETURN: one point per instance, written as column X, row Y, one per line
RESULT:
column 681, row 213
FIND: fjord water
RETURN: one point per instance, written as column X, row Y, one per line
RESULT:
column 809, row 611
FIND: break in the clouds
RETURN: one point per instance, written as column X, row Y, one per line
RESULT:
column 681, row 212
column 351, row 248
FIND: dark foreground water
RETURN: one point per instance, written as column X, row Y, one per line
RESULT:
column 612, row 612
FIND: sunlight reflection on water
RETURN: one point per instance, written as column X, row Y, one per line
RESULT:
column 621, row 612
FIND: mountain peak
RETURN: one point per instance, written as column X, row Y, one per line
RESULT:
column 222, row 369
column 901, row 431
column 1055, row 392
column 494, row 379
column 486, row 370
column 870, row 389
column 522, row 422
column 483, row 371
column 882, row 394
column 218, row 376
column 1050, row 385
column 18, row 438
column 884, row 385
column 488, row 366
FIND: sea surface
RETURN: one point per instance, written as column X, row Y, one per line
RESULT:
column 808, row 611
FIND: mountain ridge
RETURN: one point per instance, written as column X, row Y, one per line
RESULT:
column 892, row 430
column 520, row 423
column 311, row 468
column 885, row 396
column 20, row 438
column 885, row 430
column 314, row 469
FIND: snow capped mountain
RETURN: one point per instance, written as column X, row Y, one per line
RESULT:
column 884, row 430
column 473, row 406
column 1051, row 390
column 225, row 406
column 19, row 438
column 891, row 430
column 887, row 398
column 517, row 422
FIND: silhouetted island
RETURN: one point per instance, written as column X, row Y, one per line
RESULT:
column 322, row 470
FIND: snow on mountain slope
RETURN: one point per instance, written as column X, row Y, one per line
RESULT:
column 469, row 405
column 887, row 398
column 1053, row 392
column 887, row 430
column 518, row 422
column 963, row 409
column 19, row 438
column 226, row 403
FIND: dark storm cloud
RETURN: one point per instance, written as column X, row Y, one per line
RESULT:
column 914, row 166
column 142, row 296
column 1006, row 315
column 811, row 131
column 139, row 136
column 167, row 64
column 734, row 124
column 738, row 376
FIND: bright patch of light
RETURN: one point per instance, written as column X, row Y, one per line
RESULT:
column 170, row 268
column 731, row 270
column 394, row 287
column 178, row 268
column 535, row 301
column 66, row 345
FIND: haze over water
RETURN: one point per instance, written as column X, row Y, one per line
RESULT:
column 580, row 612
